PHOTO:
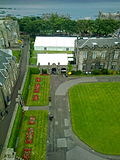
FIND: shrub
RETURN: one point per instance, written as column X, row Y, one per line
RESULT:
column 15, row 129
column 77, row 72
column 31, row 70
column 26, row 85
column 34, row 70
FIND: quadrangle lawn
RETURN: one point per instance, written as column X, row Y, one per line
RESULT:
column 43, row 93
column 95, row 115
column 40, row 135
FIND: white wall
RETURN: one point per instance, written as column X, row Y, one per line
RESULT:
column 53, row 48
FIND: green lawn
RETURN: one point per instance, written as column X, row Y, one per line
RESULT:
column 43, row 93
column 95, row 114
column 15, row 129
column 40, row 135
column 33, row 60
column 17, row 54
column 35, row 52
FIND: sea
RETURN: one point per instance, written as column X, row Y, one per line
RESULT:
column 78, row 10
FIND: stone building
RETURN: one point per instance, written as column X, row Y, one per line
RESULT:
column 8, row 77
column 115, row 16
column 97, row 53
column 53, row 63
column 9, row 33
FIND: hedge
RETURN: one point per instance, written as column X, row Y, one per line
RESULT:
column 15, row 129
column 31, row 70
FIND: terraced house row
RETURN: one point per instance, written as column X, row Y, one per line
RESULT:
column 8, row 77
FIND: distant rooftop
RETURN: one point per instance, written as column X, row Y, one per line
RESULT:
column 100, row 42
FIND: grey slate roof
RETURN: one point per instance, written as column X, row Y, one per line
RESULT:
column 2, row 78
column 100, row 42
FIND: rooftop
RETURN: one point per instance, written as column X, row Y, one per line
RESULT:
column 55, row 41
column 100, row 42
column 44, row 59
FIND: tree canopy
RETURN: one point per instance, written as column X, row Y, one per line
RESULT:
column 54, row 24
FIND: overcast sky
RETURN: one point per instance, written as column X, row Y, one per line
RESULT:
column 50, row 1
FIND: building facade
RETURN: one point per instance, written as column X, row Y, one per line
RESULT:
column 97, row 53
column 52, row 63
column 9, row 33
column 8, row 77
column 115, row 16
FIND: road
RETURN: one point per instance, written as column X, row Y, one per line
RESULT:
column 4, row 124
column 62, row 143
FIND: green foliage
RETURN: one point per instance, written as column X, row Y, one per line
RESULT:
column 95, row 115
column 76, row 72
column 31, row 70
column 26, row 86
column 15, row 129
column 39, row 144
column 33, row 60
column 100, row 72
column 70, row 67
column 55, row 24
column 34, row 70
column 17, row 54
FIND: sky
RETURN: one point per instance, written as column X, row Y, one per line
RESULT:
column 51, row 1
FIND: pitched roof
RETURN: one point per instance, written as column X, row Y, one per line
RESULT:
column 100, row 42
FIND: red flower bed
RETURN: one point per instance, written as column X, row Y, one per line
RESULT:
column 32, row 120
column 29, row 135
column 26, row 153
column 35, row 97
column 36, row 88
column 38, row 79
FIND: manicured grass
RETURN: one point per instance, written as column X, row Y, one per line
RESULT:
column 17, row 54
column 33, row 60
column 43, row 93
column 95, row 114
column 35, row 52
column 40, row 135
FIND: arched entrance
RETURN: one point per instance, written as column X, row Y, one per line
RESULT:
column 63, row 70
column 54, row 70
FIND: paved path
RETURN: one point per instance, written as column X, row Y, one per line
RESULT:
column 4, row 124
column 62, row 143
column 33, row 108
column 63, row 88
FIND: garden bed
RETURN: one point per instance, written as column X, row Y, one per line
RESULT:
column 33, row 136
column 39, row 90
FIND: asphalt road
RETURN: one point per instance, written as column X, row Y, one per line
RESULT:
column 4, row 124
